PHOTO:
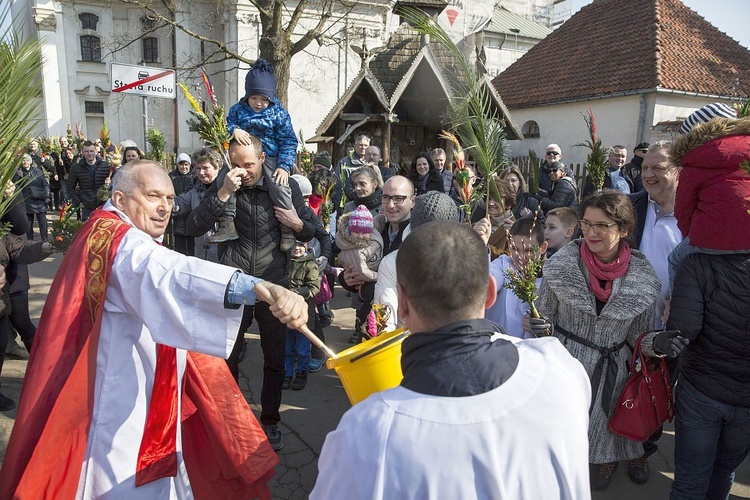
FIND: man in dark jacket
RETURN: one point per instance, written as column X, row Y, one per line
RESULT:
column 632, row 170
column 85, row 179
column 257, row 252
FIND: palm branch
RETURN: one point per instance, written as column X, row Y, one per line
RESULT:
column 20, row 94
column 471, row 112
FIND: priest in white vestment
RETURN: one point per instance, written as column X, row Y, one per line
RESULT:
column 112, row 393
column 479, row 414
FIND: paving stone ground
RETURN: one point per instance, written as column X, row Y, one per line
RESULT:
column 308, row 415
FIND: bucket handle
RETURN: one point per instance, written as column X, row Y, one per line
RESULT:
column 262, row 292
column 381, row 346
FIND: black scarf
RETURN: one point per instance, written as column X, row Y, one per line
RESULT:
column 372, row 201
column 457, row 360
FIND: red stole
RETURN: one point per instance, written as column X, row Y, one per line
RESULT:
column 225, row 450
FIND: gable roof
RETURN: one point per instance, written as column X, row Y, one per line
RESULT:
column 609, row 47
column 504, row 20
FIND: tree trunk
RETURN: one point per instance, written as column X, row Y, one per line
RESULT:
column 276, row 49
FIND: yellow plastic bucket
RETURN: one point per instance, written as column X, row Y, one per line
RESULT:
column 370, row 367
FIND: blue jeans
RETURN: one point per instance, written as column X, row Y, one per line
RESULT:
column 297, row 345
column 711, row 441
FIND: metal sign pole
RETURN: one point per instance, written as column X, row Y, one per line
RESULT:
column 145, row 124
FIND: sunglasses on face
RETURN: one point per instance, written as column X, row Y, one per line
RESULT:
column 552, row 153
column 553, row 170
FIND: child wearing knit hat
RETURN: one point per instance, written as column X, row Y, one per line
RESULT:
column 259, row 113
column 362, row 247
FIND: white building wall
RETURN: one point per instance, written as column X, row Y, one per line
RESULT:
column 562, row 124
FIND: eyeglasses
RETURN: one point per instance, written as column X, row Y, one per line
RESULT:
column 553, row 153
column 598, row 228
column 397, row 199
column 656, row 170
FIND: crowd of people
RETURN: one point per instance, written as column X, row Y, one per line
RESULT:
column 657, row 250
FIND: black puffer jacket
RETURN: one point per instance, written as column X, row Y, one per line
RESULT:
column 564, row 194
column 81, row 189
column 256, row 251
column 710, row 307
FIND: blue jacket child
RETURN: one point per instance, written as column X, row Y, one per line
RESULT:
column 259, row 113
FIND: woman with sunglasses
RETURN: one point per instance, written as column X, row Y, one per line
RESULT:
column 598, row 295
column 564, row 192
column 552, row 154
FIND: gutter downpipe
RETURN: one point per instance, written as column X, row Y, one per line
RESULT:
column 641, row 118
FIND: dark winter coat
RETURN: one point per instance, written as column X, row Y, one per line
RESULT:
column 709, row 306
column 22, row 252
column 256, row 251
column 36, row 192
column 632, row 171
column 182, row 184
column 273, row 126
column 526, row 200
column 640, row 205
column 434, row 182
column 713, row 192
column 84, row 181
column 564, row 194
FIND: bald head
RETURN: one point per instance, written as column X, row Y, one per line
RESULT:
column 143, row 191
column 398, row 199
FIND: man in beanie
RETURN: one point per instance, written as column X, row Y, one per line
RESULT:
column 183, row 180
column 478, row 414
column 322, row 161
column 259, row 113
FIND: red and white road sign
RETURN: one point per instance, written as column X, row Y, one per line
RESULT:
column 142, row 80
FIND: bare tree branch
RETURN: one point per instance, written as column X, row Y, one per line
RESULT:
column 223, row 47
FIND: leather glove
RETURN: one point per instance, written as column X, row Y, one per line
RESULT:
column 540, row 327
column 670, row 343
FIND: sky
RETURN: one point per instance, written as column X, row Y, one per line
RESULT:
column 730, row 16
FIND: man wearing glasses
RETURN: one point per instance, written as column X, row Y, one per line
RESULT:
column 656, row 234
column 552, row 154
column 398, row 200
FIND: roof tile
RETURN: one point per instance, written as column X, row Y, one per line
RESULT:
column 606, row 48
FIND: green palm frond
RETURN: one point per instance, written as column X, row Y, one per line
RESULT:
column 20, row 95
column 471, row 112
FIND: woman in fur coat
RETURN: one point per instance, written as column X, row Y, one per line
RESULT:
column 598, row 296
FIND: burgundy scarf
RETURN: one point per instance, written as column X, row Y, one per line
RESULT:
column 605, row 272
